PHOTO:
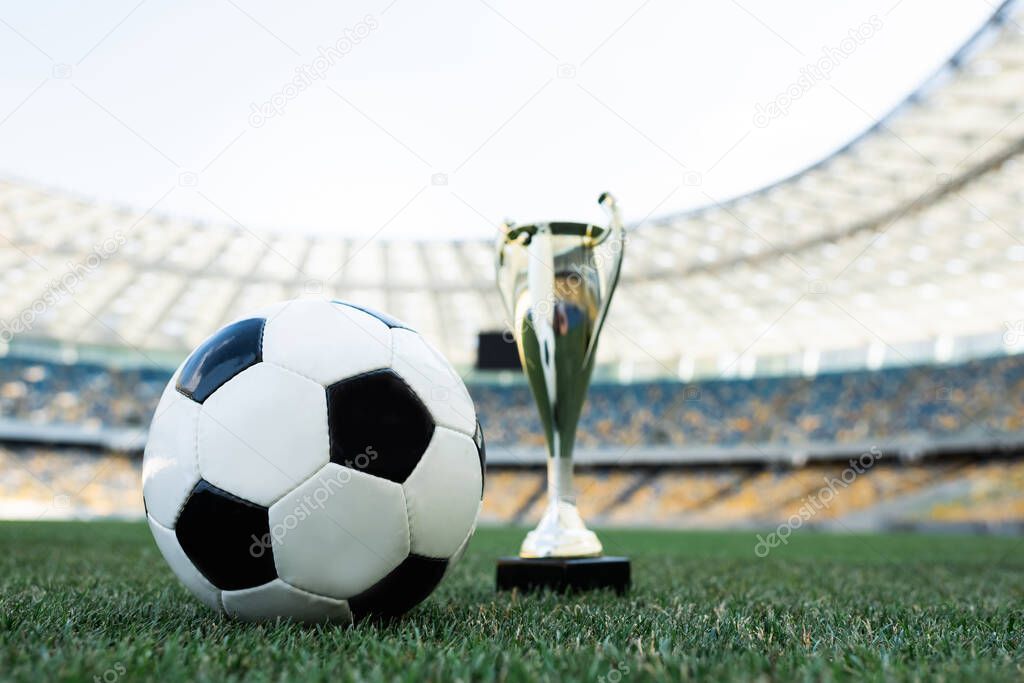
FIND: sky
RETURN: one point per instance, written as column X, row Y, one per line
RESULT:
column 398, row 119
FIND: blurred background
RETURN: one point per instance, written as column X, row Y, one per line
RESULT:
column 822, row 304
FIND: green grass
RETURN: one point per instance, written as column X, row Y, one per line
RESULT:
column 80, row 601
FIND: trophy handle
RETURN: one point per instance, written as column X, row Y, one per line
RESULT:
column 617, row 235
column 499, row 260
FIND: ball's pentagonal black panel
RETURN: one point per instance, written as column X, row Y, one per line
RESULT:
column 383, row 317
column 402, row 589
column 227, row 538
column 481, row 451
column 221, row 357
column 377, row 425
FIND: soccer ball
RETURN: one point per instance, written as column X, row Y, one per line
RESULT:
column 318, row 461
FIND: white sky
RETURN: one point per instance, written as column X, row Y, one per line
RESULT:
column 115, row 101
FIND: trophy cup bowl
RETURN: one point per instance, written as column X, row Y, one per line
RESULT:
column 556, row 280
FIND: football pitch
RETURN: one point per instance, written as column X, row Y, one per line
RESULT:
column 95, row 601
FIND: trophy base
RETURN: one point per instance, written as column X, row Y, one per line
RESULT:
column 561, row 532
column 564, row 573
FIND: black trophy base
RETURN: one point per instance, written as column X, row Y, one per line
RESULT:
column 563, row 573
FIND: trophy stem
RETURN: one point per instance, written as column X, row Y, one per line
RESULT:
column 560, row 480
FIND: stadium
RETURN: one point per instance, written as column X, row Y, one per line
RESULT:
column 805, row 425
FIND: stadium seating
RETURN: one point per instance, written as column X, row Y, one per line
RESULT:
column 976, row 400
column 78, row 393
column 51, row 483
column 38, row 482
column 980, row 397
column 990, row 494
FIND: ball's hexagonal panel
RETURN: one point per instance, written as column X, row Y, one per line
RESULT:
column 182, row 567
column 263, row 433
column 340, row 532
column 443, row 494
column 434, row 380
column 388, row 320
column 402, row 589
column 228, row 352
column 226, row 537
column 326, row 342
column 378, row 425
column 170, row 468
column 278, row 598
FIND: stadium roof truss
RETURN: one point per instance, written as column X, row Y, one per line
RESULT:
column 901, row 245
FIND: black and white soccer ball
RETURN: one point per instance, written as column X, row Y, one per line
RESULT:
column 318, row 461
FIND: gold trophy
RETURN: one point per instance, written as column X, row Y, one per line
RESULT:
column 557, row 280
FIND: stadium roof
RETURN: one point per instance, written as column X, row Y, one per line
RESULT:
column 900, row 245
